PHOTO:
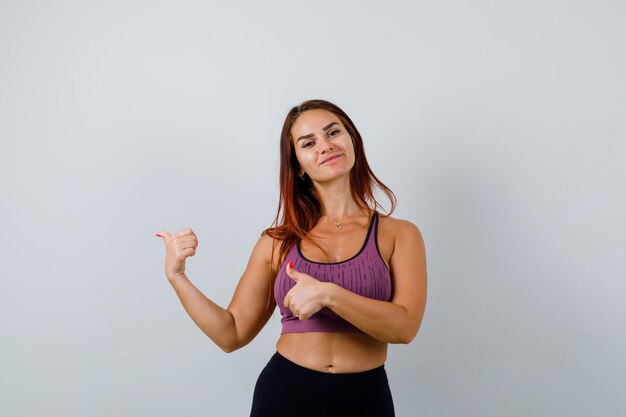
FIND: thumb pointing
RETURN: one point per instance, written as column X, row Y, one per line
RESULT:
column 164, row 235
column 291, row 273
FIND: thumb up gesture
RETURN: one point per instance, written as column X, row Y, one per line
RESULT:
column 178, row 247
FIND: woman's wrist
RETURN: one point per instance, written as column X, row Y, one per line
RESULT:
column 174, row 279
column 328, row 294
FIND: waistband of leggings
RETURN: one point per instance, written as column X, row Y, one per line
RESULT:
column 357, row 381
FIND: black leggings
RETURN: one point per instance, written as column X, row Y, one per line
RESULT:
column 287, row 389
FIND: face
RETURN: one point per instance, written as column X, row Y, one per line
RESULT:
column 323, row 146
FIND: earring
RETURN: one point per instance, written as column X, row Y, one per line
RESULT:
column 301, row 175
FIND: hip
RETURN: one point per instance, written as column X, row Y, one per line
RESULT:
column 285, row 388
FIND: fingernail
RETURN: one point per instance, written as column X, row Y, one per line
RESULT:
column 290, row 265
column 156, row 234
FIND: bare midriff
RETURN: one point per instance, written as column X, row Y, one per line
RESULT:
column 333, row 352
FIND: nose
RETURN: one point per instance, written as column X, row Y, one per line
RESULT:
column 325, row 145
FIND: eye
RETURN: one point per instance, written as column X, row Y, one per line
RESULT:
column 306, row 145
column 333, row 131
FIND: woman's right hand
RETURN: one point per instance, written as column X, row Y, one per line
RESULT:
column 178, row 247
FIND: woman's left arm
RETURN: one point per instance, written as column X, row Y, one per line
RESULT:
column 398, row 320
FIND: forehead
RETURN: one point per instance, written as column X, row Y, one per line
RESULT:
column 312, row 121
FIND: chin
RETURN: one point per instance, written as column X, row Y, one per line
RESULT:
column 333, row 177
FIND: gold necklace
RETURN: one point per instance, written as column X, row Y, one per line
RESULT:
column 338, row 224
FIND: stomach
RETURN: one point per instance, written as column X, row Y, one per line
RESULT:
column 333, row 352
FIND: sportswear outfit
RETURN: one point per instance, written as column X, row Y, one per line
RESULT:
column 285, row 388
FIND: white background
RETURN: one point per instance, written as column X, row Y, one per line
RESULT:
column 499, row 125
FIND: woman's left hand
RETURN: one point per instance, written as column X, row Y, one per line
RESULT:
column 306, row 297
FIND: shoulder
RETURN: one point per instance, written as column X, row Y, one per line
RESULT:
column 265, row 243
column 399, row 226
column 404, row 232
column 268, row 247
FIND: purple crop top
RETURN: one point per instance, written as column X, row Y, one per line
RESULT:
column 365, row 274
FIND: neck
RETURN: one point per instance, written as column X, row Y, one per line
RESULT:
column 336, row 199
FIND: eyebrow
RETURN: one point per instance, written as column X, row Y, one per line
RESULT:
column 310, row 135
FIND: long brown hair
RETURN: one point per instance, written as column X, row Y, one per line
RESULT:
column 298, row 201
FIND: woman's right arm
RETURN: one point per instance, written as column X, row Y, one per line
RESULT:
column 233, row 327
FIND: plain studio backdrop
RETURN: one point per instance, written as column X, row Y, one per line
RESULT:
column 500, row 126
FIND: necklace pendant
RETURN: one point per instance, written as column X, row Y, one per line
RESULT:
column 339, row 226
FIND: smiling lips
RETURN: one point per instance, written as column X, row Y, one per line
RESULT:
column 330, row 158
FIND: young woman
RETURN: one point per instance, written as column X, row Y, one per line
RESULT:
column 347, row 280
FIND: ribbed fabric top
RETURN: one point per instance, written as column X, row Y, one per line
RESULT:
column 365, row 274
